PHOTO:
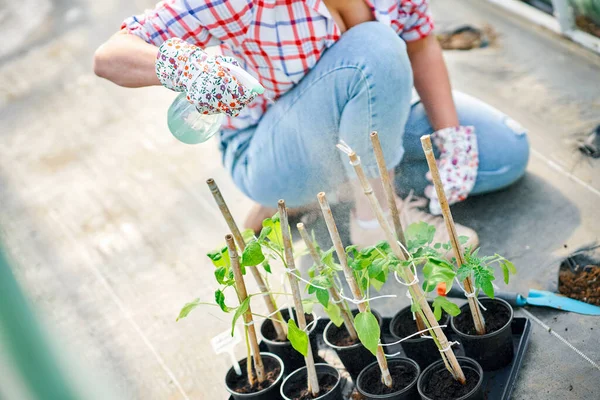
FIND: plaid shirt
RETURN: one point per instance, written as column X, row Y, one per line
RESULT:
column 278, row 41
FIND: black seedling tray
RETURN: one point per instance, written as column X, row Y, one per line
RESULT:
column 498, row 385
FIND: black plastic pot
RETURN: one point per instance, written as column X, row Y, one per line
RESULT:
column 291, row 358
column 270, row 393
column 299, row 377
column 493, row 350
column 477, row 393
column 407, row 393
column 356, row 357
column 422, row 350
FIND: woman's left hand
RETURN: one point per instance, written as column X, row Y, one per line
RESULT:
column 458, row 163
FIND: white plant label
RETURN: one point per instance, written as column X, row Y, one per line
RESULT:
column 225, row 343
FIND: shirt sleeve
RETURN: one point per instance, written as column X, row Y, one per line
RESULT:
column 419, row 23
column 169, row 19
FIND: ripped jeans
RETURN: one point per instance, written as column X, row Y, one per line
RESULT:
column 361, row 84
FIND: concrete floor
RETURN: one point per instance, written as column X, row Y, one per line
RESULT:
column 109, row 219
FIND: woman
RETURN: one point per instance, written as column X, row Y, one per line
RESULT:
column 336, row 70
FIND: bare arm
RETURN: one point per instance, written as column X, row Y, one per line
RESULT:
column 432, row 82
column 126, row 60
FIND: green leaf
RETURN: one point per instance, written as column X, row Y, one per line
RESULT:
column 437, row 246
column 220, row 275
column 298, row 338
column 323, row 297
column 463, row 239
column 308, row 305
column 435, row 272
column 218, row 257
column 220, row 300
column 266, row 266
column 239, row 312
column 442, row 303
column 264, row 233
column 248, row 235
column 334, row 313
column 488, row 288
column 419, row 234
column 376, row 268
column 327, row 257
column 368, row 330
column 252, row 255
column 188, row 308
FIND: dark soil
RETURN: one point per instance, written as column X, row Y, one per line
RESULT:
column 402, row 376
column 268, row 331
column 587, row 25
column 406, row 326
column 579, row 278
column 240, row 384
column 442, row 386
column 495, row 317
column 340, row 337
column 300, row 392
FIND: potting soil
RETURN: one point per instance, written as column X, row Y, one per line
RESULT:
column 402, row 376
column 443, row 386
column 299, row 391
column 583, row 284
column 406, row 326
column 240, row 383
column 496, row 316
column 340, row 337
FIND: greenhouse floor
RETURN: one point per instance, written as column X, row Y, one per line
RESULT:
column 108, row 217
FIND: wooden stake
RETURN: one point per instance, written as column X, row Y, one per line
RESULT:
column 391, row 199
column 478, row 319
column 388, row 187
column 277, row 318
column 333, row 293
column 313, row 381
column 416, row 292
column 349, row 274
column 242, row 296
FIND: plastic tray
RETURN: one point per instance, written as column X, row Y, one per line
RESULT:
column 498, row 385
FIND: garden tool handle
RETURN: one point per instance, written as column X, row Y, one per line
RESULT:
column 512, row 298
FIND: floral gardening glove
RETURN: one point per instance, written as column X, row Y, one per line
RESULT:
column 209, row 86
column 458, row 163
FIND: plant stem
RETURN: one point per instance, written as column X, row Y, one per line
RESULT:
column 344, row 309
column 240, row 287
column 415, row 289
column 311, row 372
column 280, row 326
column 349, row 274
column 388, row 187
column 249, row 371
column 476, row 313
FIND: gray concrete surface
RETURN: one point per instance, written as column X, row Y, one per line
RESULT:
column 109, row 219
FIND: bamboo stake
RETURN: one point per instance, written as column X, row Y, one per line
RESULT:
column 416, row 291
column 391, row 199
column 311, row 372
column 242, row 296
column 277, row 318
column 388, row 187
column 333, row 293
column 478, row 319
column 349, row 274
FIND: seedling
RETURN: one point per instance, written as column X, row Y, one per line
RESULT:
column 469, row 266
column 323, row 284
column 420, row 302
column 365, row 323
column 278, row 322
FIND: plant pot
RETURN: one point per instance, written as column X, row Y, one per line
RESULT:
column 405, row 373
column 422, row 350
column 328, row 376
column 493, row 350
column 437, row 377
column 271, row 392
column 291, row 358
column 355, row 357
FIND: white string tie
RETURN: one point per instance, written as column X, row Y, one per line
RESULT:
column 310, row 324
column 414, row 270
column 408, row 337
column 469, row 295
column 290, row 271
column 249, row 323
column 344, row 148
column 450, row 344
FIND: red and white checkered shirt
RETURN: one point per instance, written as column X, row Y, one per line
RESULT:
column 278, row 41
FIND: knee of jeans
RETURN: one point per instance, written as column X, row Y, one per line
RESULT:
column 519, row 147
column 381, row 52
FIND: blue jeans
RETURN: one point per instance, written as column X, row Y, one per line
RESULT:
column 361, row 84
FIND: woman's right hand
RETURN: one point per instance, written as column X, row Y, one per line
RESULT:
column 209, row 86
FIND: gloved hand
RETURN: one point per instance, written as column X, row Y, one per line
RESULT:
column 458, row 163
column 209, row 86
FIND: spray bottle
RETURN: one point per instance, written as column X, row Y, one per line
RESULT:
column 190, row 126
